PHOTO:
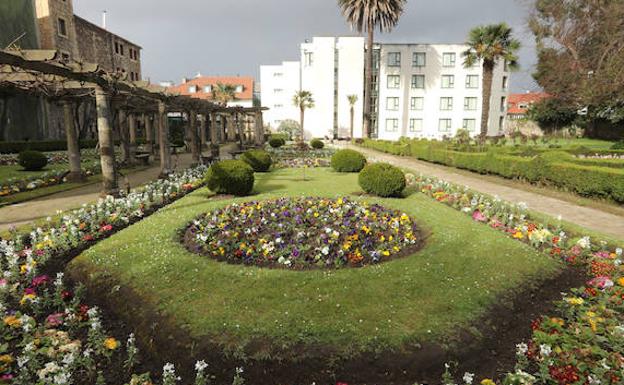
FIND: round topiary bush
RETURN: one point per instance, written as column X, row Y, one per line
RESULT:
column 348, row 161
column 317, row 144
column 230, row 177
column 276, row 142
column 259, row 160
column 382, row 179
column 32, row 160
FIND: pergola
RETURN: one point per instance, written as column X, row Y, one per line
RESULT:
column 41, row 72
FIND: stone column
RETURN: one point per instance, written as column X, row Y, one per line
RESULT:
column 73, row 146
column 132, row 128
column 195, row 150
column 163, row 139
column 149, row 134
column 107, row 147
column 231, row 128
column 122, row 122
column 259, row 131
column 203, row 126
column 214, row 133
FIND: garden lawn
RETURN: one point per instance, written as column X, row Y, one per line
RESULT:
column 17, row 172
column 464, row 268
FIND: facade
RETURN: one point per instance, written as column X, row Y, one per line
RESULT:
column 419, row 90
column 279, row 83
column 202, row 87
column 519, row 103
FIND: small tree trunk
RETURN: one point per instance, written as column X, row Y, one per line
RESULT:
column 488, row 73
column 259, row 129
column 352, row 119
column 107, row 147
column 368, row 84
column 301, row 121
column 73, row 147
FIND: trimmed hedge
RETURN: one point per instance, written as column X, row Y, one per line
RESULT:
column 230, row 177
column 259, row 160
column 317, row 144
column 32, row 160
column 600, row 178
column 348, row 161
column 276, row 142
column 46, row 146
column 382, row 179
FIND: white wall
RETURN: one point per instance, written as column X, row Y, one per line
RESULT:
column 279, row 83
column 350, row 82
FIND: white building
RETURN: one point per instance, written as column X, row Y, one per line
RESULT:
column 419, row 90
column 279, row 83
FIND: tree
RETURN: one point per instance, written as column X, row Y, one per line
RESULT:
column 303, row 100
column 290, row 128
column 490, row 44
column 366, row 15
column 580, row 45
column 352, row 100
column 223, row 93
column 552, row 114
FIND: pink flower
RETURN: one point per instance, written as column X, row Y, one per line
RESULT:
column 3, row 282
column 54, row 320
column 601, row 282
column 40, row 280
column 478, row 216
column 29, row 290
column 106, row 228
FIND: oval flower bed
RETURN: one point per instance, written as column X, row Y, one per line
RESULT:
column 300, row 233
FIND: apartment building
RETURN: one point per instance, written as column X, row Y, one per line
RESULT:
column 278, row 85
column 419, row 90
column 202, row 87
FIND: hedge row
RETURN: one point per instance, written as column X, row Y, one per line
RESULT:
column 46, row 146
column 587, row 177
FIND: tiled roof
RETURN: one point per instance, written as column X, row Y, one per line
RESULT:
column 246, row 81
column 526, row 99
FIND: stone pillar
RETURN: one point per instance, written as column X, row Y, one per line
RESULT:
column 122, row 122
column 132, row 128
column 231, row 128
column 149, row 134
column 195, row 150
column 73, row 146
column 203, row 126
column 214, row 130
column 163, row 139
column 259, row 131
column 107, row 147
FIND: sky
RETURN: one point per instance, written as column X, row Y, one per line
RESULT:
column 234, row 37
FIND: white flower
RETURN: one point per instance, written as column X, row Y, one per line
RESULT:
column 325, row 250
column 545, row 350
column 468, row 378
column 200, row 366
column 592, row 380
column 584, row 242
column 618, row 251
column 521, row 349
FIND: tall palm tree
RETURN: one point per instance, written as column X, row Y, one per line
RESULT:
column 490, row 44
column 223, row 93
column 366, row 15
column 352, row 100
column 303, row 100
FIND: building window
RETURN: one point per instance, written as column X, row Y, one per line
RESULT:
column 419, row 59
column 62, row 27
column 277, row 90
column 394, row 81
column 394, row 59
column 308, row 58
column 505, row 82
column 415, row 125
column 472, row 81
column 392, row 125
column 192, row 89
column 446, row 104
column 448, row 81
column 208, row 89
column 501, row 123
column 239, row 89
column 469, row 124
column 503, row 104
column 116, row 47
column 470, row 104
column 392, row 104
column 448, row 59
column 445, row 125
column 277, row 74
column 131, row 75
column 417, row 104
column 418, row 81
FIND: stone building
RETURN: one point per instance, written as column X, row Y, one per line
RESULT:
column 57, row 28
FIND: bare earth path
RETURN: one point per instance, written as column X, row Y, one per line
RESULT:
column 589, row 218
column 23, row 213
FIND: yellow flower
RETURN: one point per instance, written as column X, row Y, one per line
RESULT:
column 518, row 235
column 557, row 321
column 487, row 381
column 12, row 321
column 621, row 281
column 575, row 301
column 385, row 253
column 27, row 297
column 111, row 343
column 316, row 215
column 6, row 358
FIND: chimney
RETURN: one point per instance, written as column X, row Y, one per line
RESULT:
column 184, row 80
column 104, row 19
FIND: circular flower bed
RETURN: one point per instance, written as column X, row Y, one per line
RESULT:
column 301, row 233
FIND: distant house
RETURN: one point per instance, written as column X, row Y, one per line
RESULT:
column 518, row 104
column 202, row 87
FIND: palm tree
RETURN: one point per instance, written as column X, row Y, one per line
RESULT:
column 352, row 100
column 303, row 100
column 366, row 15
column 223, row 93
column 490, row 43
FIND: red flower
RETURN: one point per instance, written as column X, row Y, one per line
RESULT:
column 67, row 295
column 106, row 228
column 87, row 237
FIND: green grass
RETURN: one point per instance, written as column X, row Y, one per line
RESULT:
column 595, row 144
column 464, row 268
column 9, row 172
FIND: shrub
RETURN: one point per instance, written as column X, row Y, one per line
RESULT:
column 230, row 177
column 44, row 146
column 276, row 142
column 382, row 179
column 348, row 161
column 317, row 144
column 259, row 160
column 618, row 145
column 32, row 160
